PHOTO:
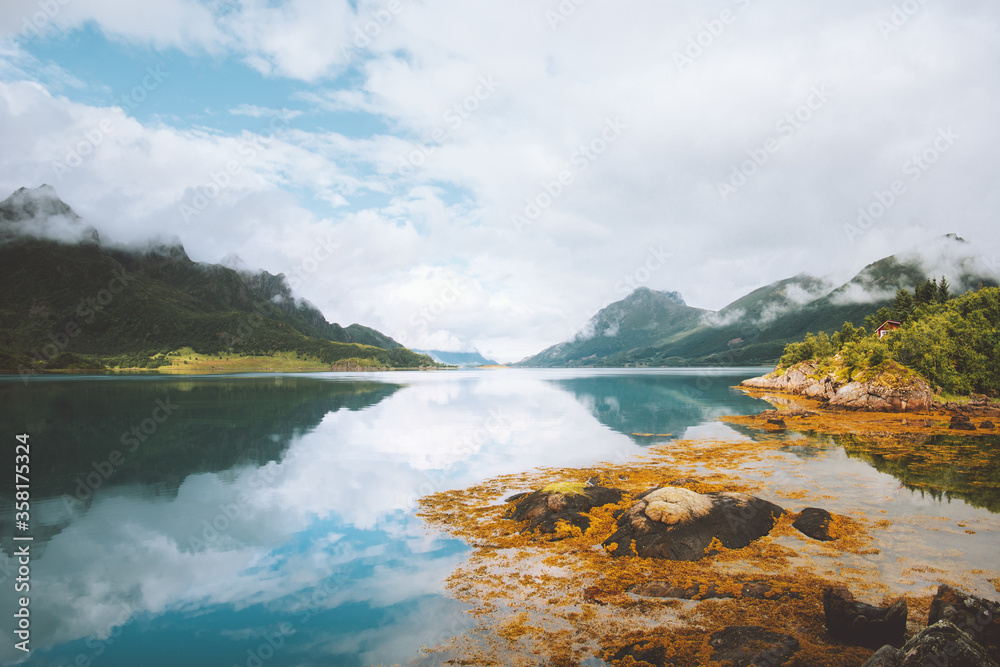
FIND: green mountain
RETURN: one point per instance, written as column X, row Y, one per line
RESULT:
column 68, row 300
column 650, row 328
column 640, row 323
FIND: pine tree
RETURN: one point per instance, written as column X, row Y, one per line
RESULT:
column 942, row 291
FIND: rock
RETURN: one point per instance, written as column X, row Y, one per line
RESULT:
column 757, row 590
column 780, row 423
column 976, row 616
column 887, row 656
column 961, row 422
column 678, row 524
column 891, row 391
column 915, row 395
column 543, row 509
column 815, row 523
column 858, row 623
column 944, row 644
column 744, row 645
column 987, row 424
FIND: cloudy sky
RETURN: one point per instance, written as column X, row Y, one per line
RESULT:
column 480, row 174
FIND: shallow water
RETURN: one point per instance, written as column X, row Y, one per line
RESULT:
column 247, row 520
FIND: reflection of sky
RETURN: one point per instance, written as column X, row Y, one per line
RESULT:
column 326, row 540
column 238, row 551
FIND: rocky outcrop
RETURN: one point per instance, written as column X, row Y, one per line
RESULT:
column 854, row 622
column 938, row 644
column 815, row 523
column 678, row 524
column 976, row 616
column 892, row 390
column 545, row 508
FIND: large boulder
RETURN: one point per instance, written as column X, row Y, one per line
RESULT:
column 911, row 395
column 678, row 524
column 854, row 622
column 938, row 644
column 545, row 508
column 976, row 616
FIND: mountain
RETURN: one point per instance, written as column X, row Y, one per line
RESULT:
column 461, row 359
column 66, row 294
column 650, row 328
column 640, row 322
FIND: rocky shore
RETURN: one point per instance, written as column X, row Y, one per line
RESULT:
column 893, row 390
column 669, row 560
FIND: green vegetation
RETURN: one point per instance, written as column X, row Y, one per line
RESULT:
column 86, row 307
column 953, row 342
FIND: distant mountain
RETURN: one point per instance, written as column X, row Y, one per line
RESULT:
column 460, row 359
column 650, row 328
column 64, row 293
column 641, row 321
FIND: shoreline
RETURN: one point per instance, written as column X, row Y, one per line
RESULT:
column 562, row 598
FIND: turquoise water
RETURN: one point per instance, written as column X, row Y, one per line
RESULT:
column 269, row 520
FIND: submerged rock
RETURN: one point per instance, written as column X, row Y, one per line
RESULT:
column 544, row 508
column 678, row 524
column 744, row 645
column 976, row 616
column 962, row 423
column 862, row 624
column 815, row 523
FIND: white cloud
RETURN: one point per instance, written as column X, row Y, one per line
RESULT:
column 433, row 192
column 255, row 111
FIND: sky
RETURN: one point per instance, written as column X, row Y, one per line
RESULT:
column 487, row 175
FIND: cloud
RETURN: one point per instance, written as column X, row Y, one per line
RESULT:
column 254, row 111
column 415, row 165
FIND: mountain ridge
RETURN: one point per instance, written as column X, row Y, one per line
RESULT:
column 754, row 328
column 67, row 293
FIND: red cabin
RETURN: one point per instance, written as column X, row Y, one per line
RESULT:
column 887, row 326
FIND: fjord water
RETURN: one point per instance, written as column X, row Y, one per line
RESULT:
column 270, row 520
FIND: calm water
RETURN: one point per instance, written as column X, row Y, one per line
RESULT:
column 268, row 520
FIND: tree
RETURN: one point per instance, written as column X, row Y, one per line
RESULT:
column 924, row 293
column 902, row 307
column 942, row 291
